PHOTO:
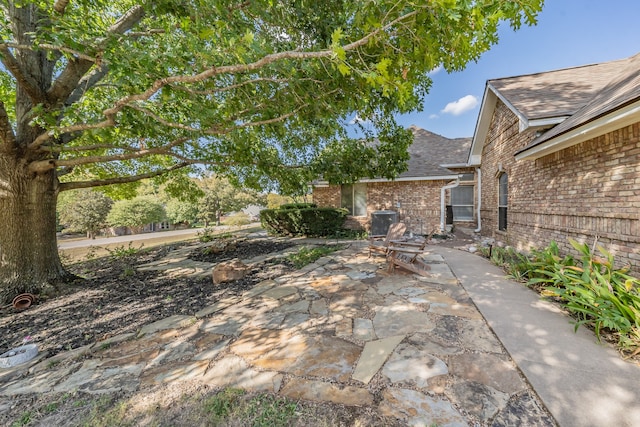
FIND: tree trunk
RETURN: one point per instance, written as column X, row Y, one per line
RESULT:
column 29, row 260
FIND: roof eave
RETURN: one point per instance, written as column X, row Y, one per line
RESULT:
column 547, row 122
column 402, row 179
column 454, row 165
column 482, row 126
column 523, row 121
column 614, row 120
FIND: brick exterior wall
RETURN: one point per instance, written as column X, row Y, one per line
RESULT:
column 419, row 202
column 588, row 190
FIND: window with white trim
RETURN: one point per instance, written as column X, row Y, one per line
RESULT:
column 353, row 197
column 462, row 202
column 503, row 197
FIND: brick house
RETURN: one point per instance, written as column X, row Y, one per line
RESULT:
column 437, row 180
column 559, row 157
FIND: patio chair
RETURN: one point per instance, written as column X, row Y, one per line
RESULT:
column 408, row 259
column 406, row 255
column 380, row 243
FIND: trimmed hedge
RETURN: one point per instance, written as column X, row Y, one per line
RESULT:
column 308, row 221
column 287, row 206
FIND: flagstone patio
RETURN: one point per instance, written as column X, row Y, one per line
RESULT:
column 340, row 330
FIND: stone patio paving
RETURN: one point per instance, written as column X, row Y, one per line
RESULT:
column 340, row 330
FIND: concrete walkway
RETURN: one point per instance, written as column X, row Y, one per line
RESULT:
column 581, row 382
column 343, row 330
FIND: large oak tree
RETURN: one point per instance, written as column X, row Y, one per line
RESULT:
column 102, row 92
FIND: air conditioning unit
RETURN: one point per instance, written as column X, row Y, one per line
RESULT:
column 381, row 220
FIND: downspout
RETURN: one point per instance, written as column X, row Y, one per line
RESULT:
column 479, row 229
column 442, row 204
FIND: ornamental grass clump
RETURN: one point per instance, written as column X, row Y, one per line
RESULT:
column 598, row 294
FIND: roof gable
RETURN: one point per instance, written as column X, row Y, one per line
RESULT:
column 555, row 93
column 622, row 91
column 430, row 151
column 576, row 101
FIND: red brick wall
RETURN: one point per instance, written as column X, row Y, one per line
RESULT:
column 588, row 190
column 419, row 202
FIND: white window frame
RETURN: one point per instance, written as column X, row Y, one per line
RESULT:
column 357, row 205
column 503, row 201
column 471, row 205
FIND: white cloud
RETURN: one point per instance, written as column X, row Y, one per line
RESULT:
column 435, row 70
column 434, row 116
column 462, row 105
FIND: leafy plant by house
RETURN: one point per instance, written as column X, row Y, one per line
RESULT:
column 597, row 294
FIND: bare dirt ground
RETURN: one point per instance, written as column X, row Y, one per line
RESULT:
column 113, row 298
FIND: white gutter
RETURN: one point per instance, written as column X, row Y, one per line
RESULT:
column 479, row 189
column 442, row 203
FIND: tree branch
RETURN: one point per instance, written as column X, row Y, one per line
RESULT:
column 125, row 101
column 272, row 120
column 70, row 77
column 86, row 83
column 239, row 85
column 150, row 32
column 46, row 165
column 47, row 46
column 65, row 186
column 24, row 80
column 46, row 136
column 61, row 149
column 7, row 136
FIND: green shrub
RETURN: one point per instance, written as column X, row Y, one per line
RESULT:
column 542, row 261
column 598, row 294
column 121, row 251
column 347, row 233
column 523, row 267
column 287, row 206
column 222, row 404
column 313, row 222
column 210, row 234
column 237, row 219
column 514, row 263
column 306, row 255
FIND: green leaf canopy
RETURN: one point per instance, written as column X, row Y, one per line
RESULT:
column 109, row 92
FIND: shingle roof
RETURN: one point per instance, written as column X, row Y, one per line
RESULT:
column 621, row 90
column 429, row 151
column 557, row 93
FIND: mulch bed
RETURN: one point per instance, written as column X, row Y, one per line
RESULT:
column 114, row 298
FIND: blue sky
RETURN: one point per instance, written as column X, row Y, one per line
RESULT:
column 569, row 33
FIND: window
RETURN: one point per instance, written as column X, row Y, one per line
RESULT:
column 466, row 177
column 503, row 187
column 462, row 203
column 354, row 198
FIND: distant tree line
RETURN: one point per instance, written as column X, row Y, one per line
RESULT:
column 91, row 211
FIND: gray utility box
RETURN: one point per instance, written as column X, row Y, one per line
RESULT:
column 381, row 220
